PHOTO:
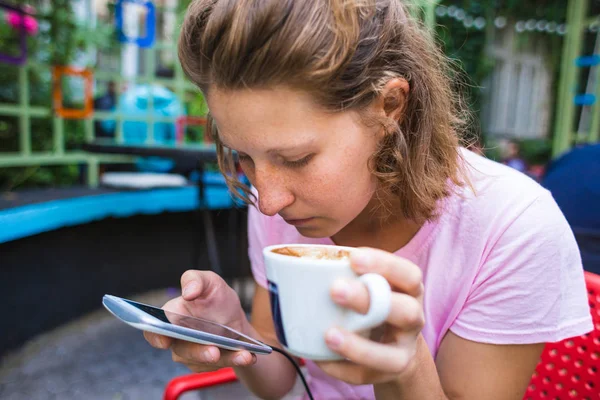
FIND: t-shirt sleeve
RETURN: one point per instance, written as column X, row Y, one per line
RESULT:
column 530, row 287
column 257, row 240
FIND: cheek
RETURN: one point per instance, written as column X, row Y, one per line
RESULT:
column 344, row 182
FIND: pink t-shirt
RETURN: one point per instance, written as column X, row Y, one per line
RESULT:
column 500, row 266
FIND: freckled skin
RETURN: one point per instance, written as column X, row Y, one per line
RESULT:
column 333, row 188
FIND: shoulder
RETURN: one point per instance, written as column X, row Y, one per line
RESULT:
column 499, row 209
column 491, row 179
column 496, row 195
column 516, row 246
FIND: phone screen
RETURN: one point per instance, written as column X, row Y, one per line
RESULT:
column 198, row 324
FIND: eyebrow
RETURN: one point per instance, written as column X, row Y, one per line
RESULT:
column 274, row 150
column 284, row 149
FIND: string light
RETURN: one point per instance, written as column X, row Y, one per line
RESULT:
column 562, row 29
column 451, row 11
column 500, row 22
column 479, row 23
column 530, row 25
column 551, row 27
column 468, row 22
column 441, row 11
column 540, row 25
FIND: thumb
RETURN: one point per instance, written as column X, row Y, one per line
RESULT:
column 195, row 284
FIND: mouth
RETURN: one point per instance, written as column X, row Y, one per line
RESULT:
column 298, row 222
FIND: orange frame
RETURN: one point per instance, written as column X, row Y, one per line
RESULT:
column 185, row 120
column 88, row 103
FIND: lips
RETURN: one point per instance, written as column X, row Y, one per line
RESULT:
column 298, row 221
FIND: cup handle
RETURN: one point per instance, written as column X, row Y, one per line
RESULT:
column 380, row 299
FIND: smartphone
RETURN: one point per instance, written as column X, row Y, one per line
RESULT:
column 191, row 329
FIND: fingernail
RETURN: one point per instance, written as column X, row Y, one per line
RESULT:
column 189, row 288
column 157, row 341
column 341, row 290
column 360, row 261
column 239, row 360
column 208, row 355
column 334, row 338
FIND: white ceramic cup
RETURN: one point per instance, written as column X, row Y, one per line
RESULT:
column 301, row 303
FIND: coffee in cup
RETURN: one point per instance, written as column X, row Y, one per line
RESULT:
column 300, row 277
column 314, row 252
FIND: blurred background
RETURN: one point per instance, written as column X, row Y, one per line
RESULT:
column 109, row 185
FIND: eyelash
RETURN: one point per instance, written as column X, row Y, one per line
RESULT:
column 244, row 157
column 290, row 164
column 298, row 163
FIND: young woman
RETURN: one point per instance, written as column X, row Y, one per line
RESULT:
column 345, row 122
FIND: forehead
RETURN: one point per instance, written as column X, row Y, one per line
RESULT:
column 270, row 102
column 267, row 116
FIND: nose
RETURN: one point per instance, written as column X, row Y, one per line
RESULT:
column 273, row 193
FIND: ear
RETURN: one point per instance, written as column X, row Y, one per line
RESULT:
column 393, row 98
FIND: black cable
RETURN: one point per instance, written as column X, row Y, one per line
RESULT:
column 286, row 355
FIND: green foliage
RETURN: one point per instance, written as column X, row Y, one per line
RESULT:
column 197, row 106
column 552, row 10
column 61, row 40
column 39, row 176
column 467, row 46
column 536, row 151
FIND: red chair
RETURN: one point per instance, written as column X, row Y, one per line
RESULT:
column 569, row 369
column 181, row 384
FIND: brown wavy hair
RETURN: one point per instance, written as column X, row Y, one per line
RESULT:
column 342, row 52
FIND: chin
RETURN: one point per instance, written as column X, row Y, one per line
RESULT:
column 315, row 232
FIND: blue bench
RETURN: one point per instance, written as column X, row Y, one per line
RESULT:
column 30, row 219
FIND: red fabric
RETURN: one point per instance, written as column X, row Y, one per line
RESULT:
column 570, row 369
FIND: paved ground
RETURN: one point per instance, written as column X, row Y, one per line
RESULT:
column 98, row 358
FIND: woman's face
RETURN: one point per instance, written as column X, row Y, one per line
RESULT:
column 308, row 165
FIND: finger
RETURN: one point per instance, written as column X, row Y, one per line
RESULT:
column 401, row 273
column 195, row 284
column 175, row 305
column 158, row 341
column 406, row 312
column 381, row 357
column 187, row 352
column 218, row 360
column 195, row 353
column 352, row 294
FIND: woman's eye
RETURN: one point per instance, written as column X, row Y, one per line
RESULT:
column 298, row 163
column 244, row 157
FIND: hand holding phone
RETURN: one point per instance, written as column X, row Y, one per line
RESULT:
column 183, row 327
column 206, row 295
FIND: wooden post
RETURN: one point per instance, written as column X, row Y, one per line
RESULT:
column 565, row 107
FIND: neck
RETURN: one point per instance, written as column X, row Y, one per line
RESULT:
column 379, row 227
